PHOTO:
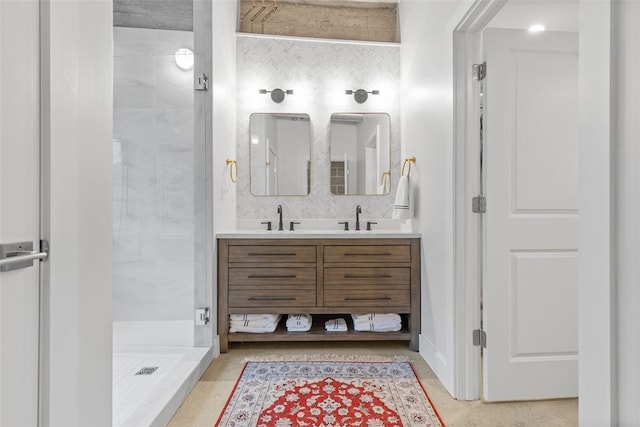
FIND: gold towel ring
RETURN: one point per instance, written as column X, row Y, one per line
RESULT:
column 386, row 175
column 234, row 165
column 408, row 160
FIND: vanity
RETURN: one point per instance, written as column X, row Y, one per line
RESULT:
column 353, row 155
column 325, row 274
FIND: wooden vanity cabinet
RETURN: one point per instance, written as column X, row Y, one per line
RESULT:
column 326, row 278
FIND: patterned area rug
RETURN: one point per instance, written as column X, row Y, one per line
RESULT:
column 329, row 394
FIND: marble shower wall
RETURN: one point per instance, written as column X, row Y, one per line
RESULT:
column 153, row 177
column 319, row 72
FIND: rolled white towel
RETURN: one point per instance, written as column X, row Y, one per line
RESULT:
column 337, row 325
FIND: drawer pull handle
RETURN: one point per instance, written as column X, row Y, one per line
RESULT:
column 364, row 276
column 272, row 299
column 272, row 254
column 368, row 299
column 371, row 254
column 273, row 276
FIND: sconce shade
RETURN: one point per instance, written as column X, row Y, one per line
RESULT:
column 361, row 95
column 277, row 95
column 184, row 58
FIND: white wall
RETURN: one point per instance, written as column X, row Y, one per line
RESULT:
column 427, row 134
column 626, row 42
column 596, row 301
column 609, row 203
column 223, row 88
column 77, row 115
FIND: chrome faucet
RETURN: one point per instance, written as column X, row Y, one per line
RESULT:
column 280, row 226
column 358, row 212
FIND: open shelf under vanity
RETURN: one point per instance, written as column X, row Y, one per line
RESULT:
column 319, row 333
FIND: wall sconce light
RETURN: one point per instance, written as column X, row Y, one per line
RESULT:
column 361, row 95
column 277, row 95
column 184, row 58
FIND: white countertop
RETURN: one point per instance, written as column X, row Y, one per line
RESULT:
column 316, row 234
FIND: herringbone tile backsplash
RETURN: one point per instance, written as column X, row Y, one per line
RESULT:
column 319, row 72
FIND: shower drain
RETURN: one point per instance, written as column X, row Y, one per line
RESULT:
column 147, row 371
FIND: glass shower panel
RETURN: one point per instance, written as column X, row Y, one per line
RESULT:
column 154, row 187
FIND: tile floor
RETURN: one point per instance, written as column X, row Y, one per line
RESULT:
column 206, row 401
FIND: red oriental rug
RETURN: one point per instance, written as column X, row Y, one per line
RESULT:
column 329, row 394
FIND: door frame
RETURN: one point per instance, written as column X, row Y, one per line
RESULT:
column 467, row 50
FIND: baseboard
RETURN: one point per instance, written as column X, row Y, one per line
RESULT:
column 437, row 363
column 216, row 346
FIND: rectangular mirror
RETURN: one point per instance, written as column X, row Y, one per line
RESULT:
column 360, row 153
column 279, row 150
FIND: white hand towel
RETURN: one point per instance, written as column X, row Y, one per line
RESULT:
column 402, row 205
column 254, row 326
column 240, row 317
column 251, row 329
column 374, row 327
column 294, row 328
column 252, row 323
column 299, row 320
column 337, row 325
column 392, row 317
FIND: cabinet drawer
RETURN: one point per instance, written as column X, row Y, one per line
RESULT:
column 374, row 253
column 360, row 299
column 363, row 277
column 259, row 253
column 261, row 276
column 265, row 297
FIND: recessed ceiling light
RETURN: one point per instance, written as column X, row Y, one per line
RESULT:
column 537, row 28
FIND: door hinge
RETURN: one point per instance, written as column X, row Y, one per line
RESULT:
column 201, row 82
column 480, row 338
column 202, row 316
column 480, row 71
column 479, row 204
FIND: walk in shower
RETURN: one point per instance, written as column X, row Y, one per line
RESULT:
column 159, row 277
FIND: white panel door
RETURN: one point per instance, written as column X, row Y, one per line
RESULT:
column 19, row 209
column 530, row 287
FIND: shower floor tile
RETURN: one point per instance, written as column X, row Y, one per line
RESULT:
column 138, row 399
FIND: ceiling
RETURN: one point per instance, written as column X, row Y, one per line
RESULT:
column 556, row 15
column 178, row 14
column 339, row 3
column 157, row 14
